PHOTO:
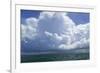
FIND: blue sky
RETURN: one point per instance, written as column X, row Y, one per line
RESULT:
column 77, row 17
column 29, row 13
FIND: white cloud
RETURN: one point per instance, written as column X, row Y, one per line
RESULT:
column 48, row 34
column 29, row 29
column 56, row 30
column 32, row 22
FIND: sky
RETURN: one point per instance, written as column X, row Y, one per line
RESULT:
column 45, row 30
column 77, row 17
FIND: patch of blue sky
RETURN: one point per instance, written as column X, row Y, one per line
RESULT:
column 79, row 17
column 27, row 14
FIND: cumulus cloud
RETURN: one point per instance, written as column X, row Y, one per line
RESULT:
column 29, row 30
column 55, row 30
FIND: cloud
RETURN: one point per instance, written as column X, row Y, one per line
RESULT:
column 29, row 30
column 55, row 30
